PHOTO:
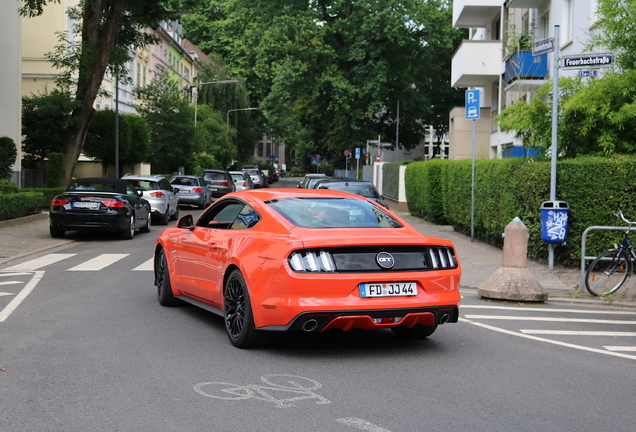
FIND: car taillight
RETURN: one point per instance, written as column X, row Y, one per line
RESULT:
column 244, row 184
column 157, row 194
column 197, row 190
column 58, row 202
column 113, row 203
column 225, row 183
column 312, row 261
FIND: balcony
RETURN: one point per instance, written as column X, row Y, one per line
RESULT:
column 475, row 13
column 525, row 4
column 525, row 72
column 476, row 63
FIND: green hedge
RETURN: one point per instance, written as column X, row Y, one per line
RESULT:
column 49, row 193
column 16, row 205
column 440, row 191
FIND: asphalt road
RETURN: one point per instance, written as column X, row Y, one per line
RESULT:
column 89, row 348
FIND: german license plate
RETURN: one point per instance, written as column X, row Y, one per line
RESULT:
column 184, row 191
column 86, row 205
column 388, row 289
column 212, row 189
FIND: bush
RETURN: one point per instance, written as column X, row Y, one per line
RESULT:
column 8, row 187
column 17, row 205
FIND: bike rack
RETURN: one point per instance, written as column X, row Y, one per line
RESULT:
column 583, row 242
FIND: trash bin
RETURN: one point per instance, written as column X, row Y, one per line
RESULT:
column 554, row 221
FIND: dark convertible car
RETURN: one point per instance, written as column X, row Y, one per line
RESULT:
column 106, row 204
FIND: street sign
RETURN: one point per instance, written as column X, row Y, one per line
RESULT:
column 472, row 105
column 347, row 152
column 588, row 73
column 272, row 158
column 587, row 61
column 358, row 153
column 314, row 161
column 378, row 158
column 542, row 46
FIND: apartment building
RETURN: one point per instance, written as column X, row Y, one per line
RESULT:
column 497, row 60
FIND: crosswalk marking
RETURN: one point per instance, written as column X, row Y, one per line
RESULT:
column 99, row 262
column 578, row 333
column 146, row 266
column 38, row 263
column 2, row 294
column 10, row 282
column 548, row 319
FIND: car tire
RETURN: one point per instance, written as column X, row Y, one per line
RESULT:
column 175, row 215
column 164, row 287
column 56, row 232
column 162, row 219
column 237, row 311
column 129, row 232
column 147, row 226
column 418, row 331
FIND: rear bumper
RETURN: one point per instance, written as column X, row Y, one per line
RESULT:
column 370, row 319
column 89, row 222
column 196, row 199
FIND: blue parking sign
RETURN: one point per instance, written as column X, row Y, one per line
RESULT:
column 472, row 104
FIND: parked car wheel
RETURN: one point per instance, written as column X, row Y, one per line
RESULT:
column 146, row 228
column 239, row 321
column 56, row 232
column 129, row 232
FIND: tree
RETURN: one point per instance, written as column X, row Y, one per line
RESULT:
column 327, row 74
column 8, row 154
column 108, row 29
column 134, row 139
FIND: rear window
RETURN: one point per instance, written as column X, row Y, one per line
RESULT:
column 144, row 184
column 184, row 181
column 92, row 186
column 333, row 213
column 214, row 176
column 367, row 191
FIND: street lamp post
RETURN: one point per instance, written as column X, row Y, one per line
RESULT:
column 397, row 125
column 227, row 119
column 196, row 96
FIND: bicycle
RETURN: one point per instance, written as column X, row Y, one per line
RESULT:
column 609, row 271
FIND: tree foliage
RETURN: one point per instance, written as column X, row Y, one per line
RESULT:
column 8, row 154
column 328, row 74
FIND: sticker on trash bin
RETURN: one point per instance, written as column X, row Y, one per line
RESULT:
column 556, row 225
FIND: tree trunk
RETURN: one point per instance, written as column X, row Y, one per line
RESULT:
column 101, row 21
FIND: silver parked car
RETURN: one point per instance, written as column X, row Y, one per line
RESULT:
column 192, row 190
column 242, row 181
column 158, row 191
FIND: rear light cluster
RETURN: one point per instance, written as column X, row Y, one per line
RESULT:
column 113, row 203
column 225, row 183
column 312, row 261
column 157, row 194
column 441, row 258
column 57, row 202
column 197, row 190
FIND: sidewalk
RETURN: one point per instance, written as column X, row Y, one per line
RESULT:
column 29, row 235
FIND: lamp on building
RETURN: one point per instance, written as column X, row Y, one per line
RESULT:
column 397, row 123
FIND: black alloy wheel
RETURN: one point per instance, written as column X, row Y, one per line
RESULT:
column 162, row 274
column 237, row 310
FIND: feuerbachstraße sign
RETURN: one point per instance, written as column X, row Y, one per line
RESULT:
column 587, row 61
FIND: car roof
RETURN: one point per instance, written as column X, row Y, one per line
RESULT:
column 269, row 194
column 142, row 177
column 120, row 185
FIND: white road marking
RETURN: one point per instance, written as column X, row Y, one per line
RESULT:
column 98, row 262
column 582, row 311
column 4, row 313
column 5, row 294
column 148, row 265
column 578, row 333
column 361, row 424
column 12, row 274
column 550, row 341
column 38, row 263
column 11, row 283
column 620, row 348
column 548, row 319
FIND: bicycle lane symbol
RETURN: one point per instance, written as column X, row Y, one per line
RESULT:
column 296, row 387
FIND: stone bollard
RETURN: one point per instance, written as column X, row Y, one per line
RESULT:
column 513, row 281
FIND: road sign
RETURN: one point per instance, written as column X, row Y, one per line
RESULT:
column 378, row 158
column 472, row 105
column 543, row 46
column 347, row 152
column 317, row 156
column 272, row 158
column 314, row 161
column 588, row 73
column 587, row 61
column 358, row 153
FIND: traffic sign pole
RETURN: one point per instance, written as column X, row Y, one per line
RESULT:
column 555, row 122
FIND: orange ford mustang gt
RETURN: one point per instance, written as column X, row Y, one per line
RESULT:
column 307, row 260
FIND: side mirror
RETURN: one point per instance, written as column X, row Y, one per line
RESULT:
column 186, row 222
column 175, row 190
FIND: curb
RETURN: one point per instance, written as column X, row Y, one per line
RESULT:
column 23, row 220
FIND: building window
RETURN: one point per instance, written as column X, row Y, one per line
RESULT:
column 568, row 17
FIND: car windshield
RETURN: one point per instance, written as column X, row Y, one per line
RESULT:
column 92, row 186
column 238, row 177
column 365, row 190
column 333, row 213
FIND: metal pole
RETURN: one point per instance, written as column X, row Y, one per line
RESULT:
column 555, row 125
column 116, row 126
column 472, row 188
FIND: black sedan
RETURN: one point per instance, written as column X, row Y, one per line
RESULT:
column 94, row 204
